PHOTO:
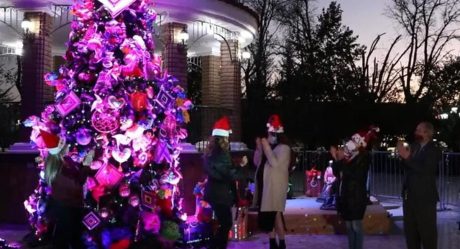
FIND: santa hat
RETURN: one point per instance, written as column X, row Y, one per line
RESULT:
column 363, row 138
column 222, row 127
column 274, row 124
column 53, row 143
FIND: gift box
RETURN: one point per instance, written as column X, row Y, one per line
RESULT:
column 239, row 229
column 313, row 183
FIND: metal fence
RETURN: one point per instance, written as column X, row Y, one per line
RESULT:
column 386, row 175
column 9, row 126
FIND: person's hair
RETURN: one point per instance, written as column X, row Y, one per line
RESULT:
column 216, row 145
column 53, row 165
column 283, row 139
column 428, row 127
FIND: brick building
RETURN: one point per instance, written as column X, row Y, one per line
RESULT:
column 211, row 31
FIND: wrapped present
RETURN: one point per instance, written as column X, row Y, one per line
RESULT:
column 239, row 229
column 313, row 183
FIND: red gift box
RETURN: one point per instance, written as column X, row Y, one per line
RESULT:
column 313, row 182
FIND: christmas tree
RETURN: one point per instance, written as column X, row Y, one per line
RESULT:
column 121, row 118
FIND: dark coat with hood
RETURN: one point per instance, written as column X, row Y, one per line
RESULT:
column 352, row 199
column 222, row 174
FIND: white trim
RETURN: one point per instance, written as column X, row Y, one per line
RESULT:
column 220, row 132
column 56, row 150
column 272, row 129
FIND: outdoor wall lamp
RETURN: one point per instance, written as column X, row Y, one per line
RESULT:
column 183, row 36
column 245, row 55
column 27, row 26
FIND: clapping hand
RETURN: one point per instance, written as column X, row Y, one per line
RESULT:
column 403, row 150
column 264, row 142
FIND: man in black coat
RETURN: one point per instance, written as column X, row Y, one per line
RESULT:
column 420, row 194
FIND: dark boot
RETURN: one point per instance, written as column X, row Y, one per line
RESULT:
column 273, row 244
column 282, row 244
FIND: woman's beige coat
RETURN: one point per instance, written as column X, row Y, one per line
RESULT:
column 276, row 174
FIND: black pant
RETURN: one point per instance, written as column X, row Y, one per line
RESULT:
column 224, row 218
column 420, row 225
column 68, row 226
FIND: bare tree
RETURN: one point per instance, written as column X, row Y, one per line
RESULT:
column 380, row 79
column 8, row 85
column 429, row 26
column 298, row 17
column 258, row 71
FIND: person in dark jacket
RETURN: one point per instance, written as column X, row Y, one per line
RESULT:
column 351, row 165
column 420, row 195
column 66, row 180
column 222, row 174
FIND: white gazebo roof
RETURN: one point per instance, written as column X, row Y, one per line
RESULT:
column 207, row 21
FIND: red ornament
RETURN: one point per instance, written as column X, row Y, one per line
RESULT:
column 165, row 206
column 139, row 101
column 121, row 244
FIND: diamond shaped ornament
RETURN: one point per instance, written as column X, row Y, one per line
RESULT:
column 115, row 7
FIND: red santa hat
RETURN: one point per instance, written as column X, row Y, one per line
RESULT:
column 53, row 143
column 222, row 127
column 363, row 138
column 274, row 124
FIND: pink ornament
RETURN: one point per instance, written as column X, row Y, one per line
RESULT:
column 97, row 104
column 126, row 122
column 83, row 136
column 134, row 200
column 182, row 134
column 107, row 61
column 162, row 153
column 124, row 190
column 104, row 213
column 131, row 69
column 91, row 221
column 104, row 122
column 172, row 177
column 141, row 159
column 151, row 222
column 108, row 176
column 90, row 183
column 169, row 125
column 135, row 131
column 121, row 156
column 115, row 103
column 68, row 104
column 94, row 44
column 96, row 164
column 142, row 143
column 115, row 7
column 150, row 92
column 122, row 139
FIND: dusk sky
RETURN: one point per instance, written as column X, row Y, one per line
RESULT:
column 365, row 17
column 368, row 18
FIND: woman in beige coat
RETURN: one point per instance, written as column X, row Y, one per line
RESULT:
column 272, row 156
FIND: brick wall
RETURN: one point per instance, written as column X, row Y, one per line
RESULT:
column 37, row 60
column 230, row 85
column 174, row 54
column 210, row 66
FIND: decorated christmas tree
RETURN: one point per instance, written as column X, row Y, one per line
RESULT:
column 121, row 118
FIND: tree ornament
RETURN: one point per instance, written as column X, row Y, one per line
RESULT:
column 115, row 7
column 139, row 101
